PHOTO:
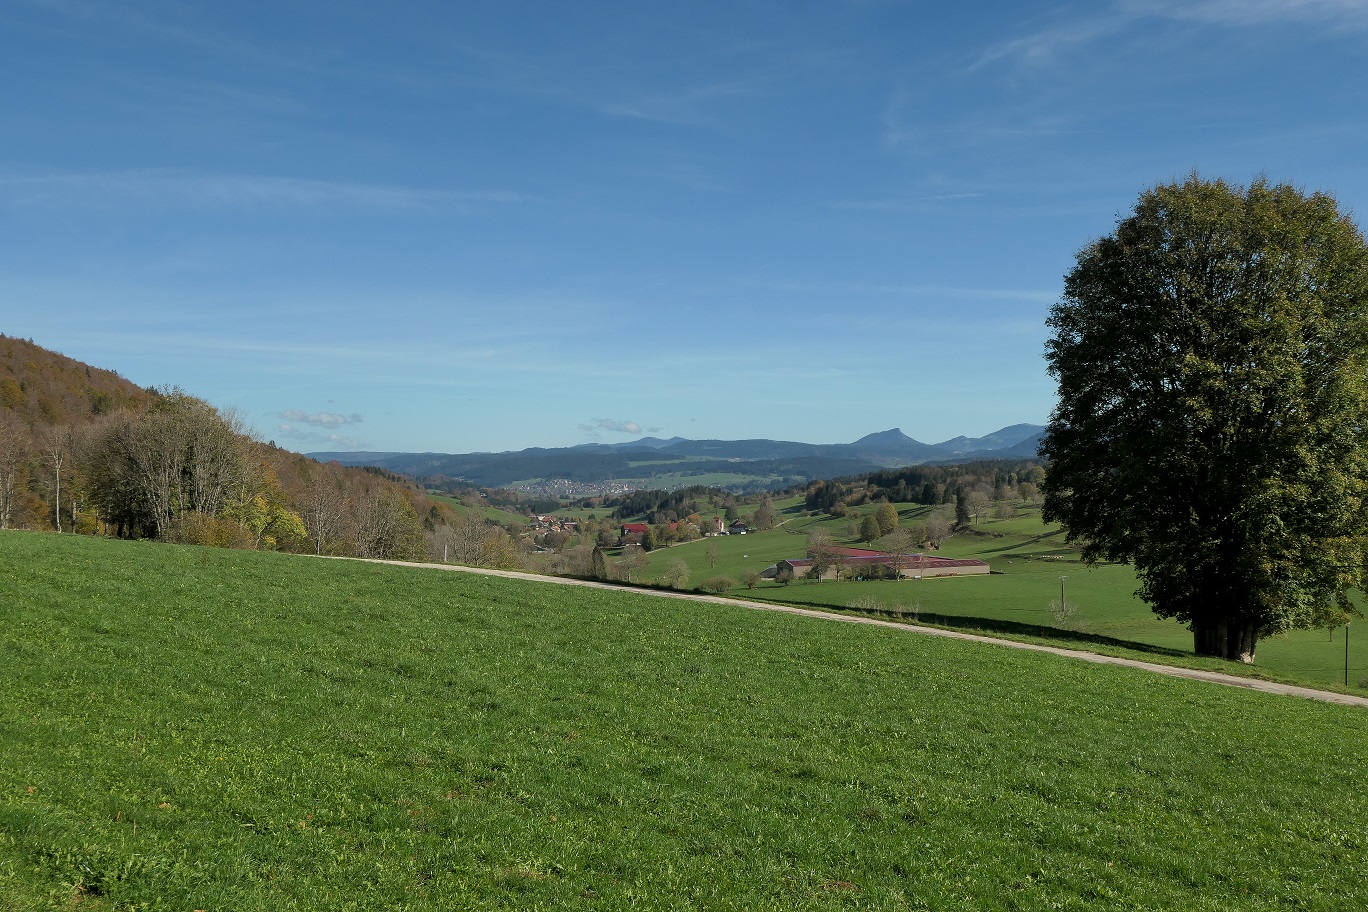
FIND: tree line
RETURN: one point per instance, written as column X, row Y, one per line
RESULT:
column 84, row 451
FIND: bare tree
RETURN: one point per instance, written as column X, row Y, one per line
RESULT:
column 900, row 544
column 14, row 455
column 217, row 462
column 56, row 448
column 84, row 442
column 465, row 538
column 386, row 525
column 823, row 553
column 324, row 513
column 978, row 503
column 938, row 526
column 182, row 455
column 676, row 574
column 579, row 560
column 633, row 563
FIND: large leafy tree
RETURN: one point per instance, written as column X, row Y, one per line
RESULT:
column 1212, row 425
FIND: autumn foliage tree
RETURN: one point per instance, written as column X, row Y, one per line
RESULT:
column 84, row 450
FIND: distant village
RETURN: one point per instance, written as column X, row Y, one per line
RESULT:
column 633, row 533
column 564, row 489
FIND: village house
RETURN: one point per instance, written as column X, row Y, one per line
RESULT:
column 632, row 533
column 554, row 524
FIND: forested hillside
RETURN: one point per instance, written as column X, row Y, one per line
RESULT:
column 83, row 450
column 43, row 388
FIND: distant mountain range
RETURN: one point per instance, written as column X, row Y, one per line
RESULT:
column 651, row 457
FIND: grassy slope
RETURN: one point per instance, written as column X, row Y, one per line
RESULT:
column 186, row 728
column 503, row 517
column 1016, row 600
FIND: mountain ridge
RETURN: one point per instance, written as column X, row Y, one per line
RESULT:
column 780, row 459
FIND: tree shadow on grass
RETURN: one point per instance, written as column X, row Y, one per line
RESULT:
column 995, row 626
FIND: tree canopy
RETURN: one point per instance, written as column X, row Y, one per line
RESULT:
column 1212, row 425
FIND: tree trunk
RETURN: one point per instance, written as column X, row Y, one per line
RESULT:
column 1224, row 639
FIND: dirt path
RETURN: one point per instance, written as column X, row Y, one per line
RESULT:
column 1212, row 677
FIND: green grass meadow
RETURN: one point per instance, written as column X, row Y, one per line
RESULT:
column 1028, row 558
column 186, row 728
column 503, row 517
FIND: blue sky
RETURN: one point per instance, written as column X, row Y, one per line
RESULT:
column 459, row 226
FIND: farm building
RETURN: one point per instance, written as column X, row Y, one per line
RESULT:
column 909, row 566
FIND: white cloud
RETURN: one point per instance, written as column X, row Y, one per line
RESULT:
column 616, row 427
column 322, row 419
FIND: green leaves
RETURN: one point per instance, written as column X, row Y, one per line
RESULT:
column 1211, row 357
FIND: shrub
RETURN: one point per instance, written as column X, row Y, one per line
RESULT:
column 905, row 611
column 717, row 584
column 213, row 531
column 1065, row 615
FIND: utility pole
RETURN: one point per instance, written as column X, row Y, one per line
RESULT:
column 1062, row 604
column 1346, row 653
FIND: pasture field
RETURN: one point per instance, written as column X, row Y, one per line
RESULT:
column 503, row 517
column 1028, row 559
column 685, row 478
column 187, row 728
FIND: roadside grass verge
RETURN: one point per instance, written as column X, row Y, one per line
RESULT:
column 200, row 729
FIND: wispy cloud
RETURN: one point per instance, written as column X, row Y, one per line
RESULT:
column 1044, row 47
column 963, row 293
column 614, row 426
column 173, row 188
column 905, row 203
column 1254, row 12
column 1048, row 45
column 322, row 419
column 681, row 107
column 340, row 441
column 170, row 23
column 622, row 95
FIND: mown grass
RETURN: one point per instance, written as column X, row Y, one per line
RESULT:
column 1028, row 559
column 195, row 729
